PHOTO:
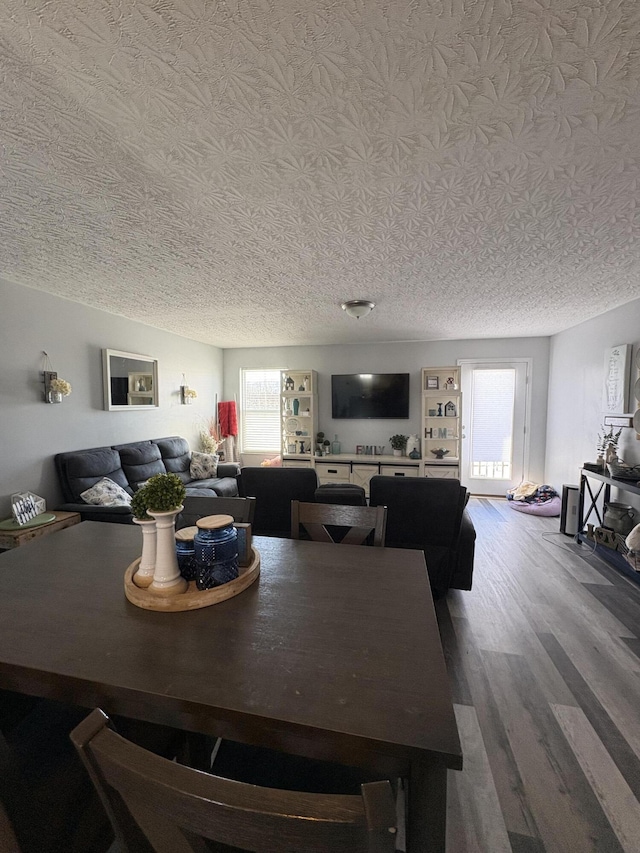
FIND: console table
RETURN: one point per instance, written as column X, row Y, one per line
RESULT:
column 590, row 512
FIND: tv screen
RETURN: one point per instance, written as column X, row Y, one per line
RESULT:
column 370, row 395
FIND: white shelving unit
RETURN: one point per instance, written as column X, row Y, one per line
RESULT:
column 441, row 421
column 298, row 416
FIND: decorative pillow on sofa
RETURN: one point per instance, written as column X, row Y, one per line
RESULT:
column 203, row 465
column 106, row 493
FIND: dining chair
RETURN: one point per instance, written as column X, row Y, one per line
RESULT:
column 327, row 522
column 195, row 507
column 274, row 489
column 176, row 807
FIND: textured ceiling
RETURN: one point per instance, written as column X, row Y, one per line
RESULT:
column 234, row 170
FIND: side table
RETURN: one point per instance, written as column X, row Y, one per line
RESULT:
column 14, row 538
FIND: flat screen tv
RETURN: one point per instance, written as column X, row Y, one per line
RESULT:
column 370, row 395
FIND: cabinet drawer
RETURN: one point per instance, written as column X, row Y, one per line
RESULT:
column 399, row 471
column 333, row 472
column 296, row 463
column 444, row 472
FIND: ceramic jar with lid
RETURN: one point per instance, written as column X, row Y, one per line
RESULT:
column 216, row 551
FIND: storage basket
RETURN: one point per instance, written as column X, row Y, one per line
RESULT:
column 632, row 557
column 620, row 469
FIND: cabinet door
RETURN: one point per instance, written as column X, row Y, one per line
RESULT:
column 296, row 463
column 362, row 474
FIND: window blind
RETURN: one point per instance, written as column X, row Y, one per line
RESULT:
column 260, row 413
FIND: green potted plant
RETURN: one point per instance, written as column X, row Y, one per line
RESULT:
column 398, row 443
column 319, row 441
column 163, row 495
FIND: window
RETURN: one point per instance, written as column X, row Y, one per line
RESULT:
column 492, row 408
column 260, row 412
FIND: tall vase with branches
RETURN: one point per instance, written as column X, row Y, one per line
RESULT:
column 210, row 438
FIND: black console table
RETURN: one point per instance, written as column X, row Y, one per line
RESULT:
column 591, row 513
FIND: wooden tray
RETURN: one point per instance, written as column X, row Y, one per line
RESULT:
column 193, row 598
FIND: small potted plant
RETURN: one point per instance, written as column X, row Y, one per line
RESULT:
column 163, row 494
column 146, row 568
column 326, row 447
column 399, row 444
column 58, row 388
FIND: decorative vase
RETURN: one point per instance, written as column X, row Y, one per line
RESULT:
column 296, row 406
column 167, row 579
column 54, row 396
column 397, row 452
column 145, row 571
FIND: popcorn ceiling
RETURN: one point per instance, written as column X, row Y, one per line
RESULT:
column 232, row 172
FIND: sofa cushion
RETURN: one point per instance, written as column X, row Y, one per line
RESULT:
column 203, row 465
column 140, row 460
column 176, row 456
column 81, row 469
column 106, row 493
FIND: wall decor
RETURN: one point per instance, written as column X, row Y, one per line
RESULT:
column 432, row 383
column 130, row 380
column 617, row 365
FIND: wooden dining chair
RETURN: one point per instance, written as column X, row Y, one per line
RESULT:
column 195, row 507
column 327, row 522
column 176, row 807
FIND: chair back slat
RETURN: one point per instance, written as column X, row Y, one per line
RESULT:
column 360, row 521
column 176, row 807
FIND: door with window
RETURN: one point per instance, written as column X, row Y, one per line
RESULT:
column 495, row 413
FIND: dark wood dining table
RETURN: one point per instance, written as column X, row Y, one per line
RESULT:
column 333, row 653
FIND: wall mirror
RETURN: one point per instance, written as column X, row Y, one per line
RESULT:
column 130, row 380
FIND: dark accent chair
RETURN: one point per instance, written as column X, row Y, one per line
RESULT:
column 347, row 494
column 274, row 489
column 240, row 509
column 175, row 807
column 429, row 514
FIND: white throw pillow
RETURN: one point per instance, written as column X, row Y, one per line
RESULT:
column 106, row 493
column 203, row 465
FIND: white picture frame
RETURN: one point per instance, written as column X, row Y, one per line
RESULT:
column 617, row 367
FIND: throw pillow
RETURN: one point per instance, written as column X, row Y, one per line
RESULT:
column 203, row 465
column 106, row 493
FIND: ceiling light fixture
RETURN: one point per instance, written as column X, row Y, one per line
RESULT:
column 358, row 307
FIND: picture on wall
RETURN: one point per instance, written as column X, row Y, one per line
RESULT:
column 617, row 365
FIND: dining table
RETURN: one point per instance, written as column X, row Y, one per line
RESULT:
column 333, row 653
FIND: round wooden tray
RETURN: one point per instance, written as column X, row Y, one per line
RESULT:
column 192, row 598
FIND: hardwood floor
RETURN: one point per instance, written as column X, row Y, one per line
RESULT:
column 544, row 661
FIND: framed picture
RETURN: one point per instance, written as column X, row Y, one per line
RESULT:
column 617, row 366
column 432, row 383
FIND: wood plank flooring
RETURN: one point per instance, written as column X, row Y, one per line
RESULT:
column 544, row 660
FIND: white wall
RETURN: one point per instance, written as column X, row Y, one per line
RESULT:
column 74, row 335
column 576, row 378
column 395, row 358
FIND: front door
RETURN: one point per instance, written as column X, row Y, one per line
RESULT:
column 495, row 411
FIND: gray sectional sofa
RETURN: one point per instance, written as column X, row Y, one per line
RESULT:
column 130, row 465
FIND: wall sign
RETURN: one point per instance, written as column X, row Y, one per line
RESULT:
column 617, row 365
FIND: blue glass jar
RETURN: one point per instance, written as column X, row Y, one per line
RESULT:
column 185, row 552
column 216, row 551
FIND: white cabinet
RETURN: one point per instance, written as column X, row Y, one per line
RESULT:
column 298, row 414
column 441, row 421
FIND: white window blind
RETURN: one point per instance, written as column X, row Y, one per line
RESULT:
column 260, row 413
column 492, row 407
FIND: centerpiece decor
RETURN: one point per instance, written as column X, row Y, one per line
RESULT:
column 164, row 494
column 398, row 443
